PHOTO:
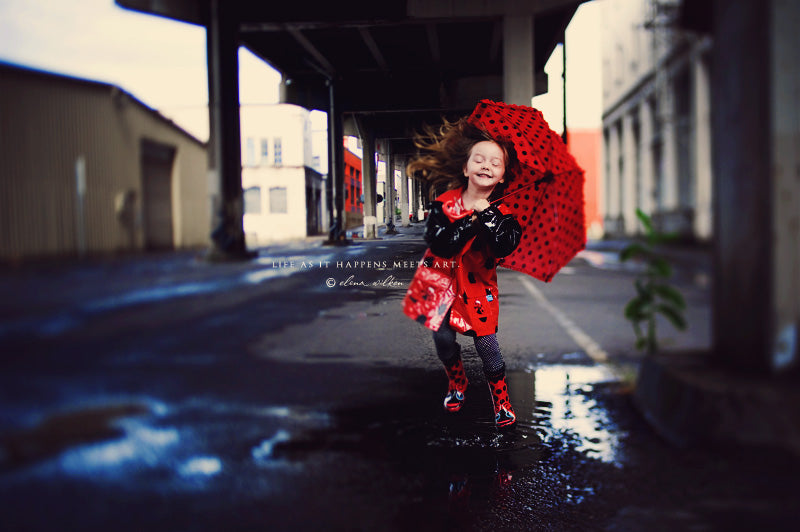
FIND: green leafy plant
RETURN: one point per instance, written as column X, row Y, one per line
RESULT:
column 654, row 294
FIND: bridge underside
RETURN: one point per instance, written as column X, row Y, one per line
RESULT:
column 380, row 69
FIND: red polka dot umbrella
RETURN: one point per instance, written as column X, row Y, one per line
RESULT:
column 546, row 195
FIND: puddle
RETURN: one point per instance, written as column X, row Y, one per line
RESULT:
column 559, row 425
column 139, row 447
column 201, row 466
column 569, row 415
column 264, row 450
column 393, row 452
column 63, row 431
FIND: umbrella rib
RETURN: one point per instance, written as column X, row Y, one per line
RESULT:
column 546, row 178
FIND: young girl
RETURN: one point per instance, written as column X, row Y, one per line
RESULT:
column 455, row 286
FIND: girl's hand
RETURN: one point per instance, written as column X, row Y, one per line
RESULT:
column 480, row 205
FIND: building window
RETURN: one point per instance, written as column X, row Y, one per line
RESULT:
column 264, row 151
column 250, row 152
column 252, row 200
column 278, row 200
column 277, row 151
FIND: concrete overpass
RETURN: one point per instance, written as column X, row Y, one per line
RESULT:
column 379, row 68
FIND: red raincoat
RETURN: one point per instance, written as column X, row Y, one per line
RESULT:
column 465, row 278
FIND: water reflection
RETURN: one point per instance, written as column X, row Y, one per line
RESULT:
column 557, row 414
column 566, row 411
column 554, row 407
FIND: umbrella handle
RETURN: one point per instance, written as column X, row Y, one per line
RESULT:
column 548, row 177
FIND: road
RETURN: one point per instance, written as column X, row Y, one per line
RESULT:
column 290, row 393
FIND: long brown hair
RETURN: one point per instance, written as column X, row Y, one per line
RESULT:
column 444, row 151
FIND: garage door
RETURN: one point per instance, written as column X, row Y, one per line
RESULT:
column 157, row 162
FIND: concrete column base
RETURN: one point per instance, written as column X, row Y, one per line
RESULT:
column 370, row 227
column 691, row 403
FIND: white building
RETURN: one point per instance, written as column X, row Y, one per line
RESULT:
column 283, row 193
column 656, row 120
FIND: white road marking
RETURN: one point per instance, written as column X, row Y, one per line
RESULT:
column 583, row 340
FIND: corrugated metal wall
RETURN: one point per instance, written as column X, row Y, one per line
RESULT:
column 48, row 123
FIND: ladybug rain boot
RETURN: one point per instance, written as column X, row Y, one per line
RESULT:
column 457, row 384
column 503, row 413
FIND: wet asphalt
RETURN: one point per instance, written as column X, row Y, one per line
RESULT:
column 164, row 392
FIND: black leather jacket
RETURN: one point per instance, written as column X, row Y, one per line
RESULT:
column 500, row 232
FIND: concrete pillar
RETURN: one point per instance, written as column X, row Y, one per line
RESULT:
column 415, row 199
column 605, row 178
column 628, row 177
column 647, row 171
column 422, row 200
column 383, row 156
column 613, row 210
column 390, row 192
column 668, row 190
column 756, row 130
column 702, row 151
column 404, row 184
column 369, row 175
column 518, row 59
column 224, row 152
column 784, row 48
column 335, row 183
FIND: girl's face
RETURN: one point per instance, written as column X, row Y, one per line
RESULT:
column 486, row 166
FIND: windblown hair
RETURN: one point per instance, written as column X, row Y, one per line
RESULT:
column 444, row 152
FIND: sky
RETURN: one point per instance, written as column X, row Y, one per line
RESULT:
column 584, row 69
column 162, row 62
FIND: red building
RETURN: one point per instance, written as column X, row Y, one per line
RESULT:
column 353, row 205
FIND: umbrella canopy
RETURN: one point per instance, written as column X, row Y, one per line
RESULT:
column 546, row 195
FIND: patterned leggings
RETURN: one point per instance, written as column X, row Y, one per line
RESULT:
column 487, row 347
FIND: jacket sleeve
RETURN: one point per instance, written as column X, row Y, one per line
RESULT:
column 504, row 231
column 446, row 238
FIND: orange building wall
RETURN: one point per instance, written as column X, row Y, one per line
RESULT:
column 585, row 146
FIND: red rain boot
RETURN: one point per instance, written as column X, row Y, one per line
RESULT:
column 457, row 385
column 503, row 413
